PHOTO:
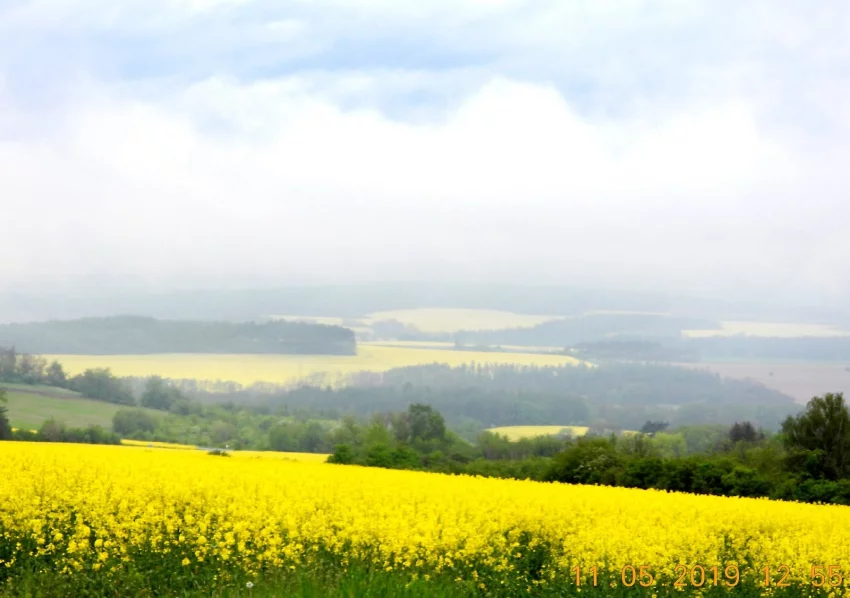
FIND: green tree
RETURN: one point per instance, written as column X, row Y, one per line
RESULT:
column 589, row 461
column 342, row 455
column 221, row 432
column 426, row 423
column 54, row 375
column 284, row 437
column 101, row 384
column 8, row 365
column 31, row 368
column 670, row 445
column 818, row 439
column 128, row 422
column 744, row 432
column 5, row 427
column 380, row 455
column 158, row 394
column 651, row 427
column 52, row 430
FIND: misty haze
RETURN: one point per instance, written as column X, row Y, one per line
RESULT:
column 431, row 298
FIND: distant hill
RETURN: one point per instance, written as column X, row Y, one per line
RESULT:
column 357, row 300
column 589, row 328
column 134, row 335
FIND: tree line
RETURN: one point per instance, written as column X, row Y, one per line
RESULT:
column 808, row 461
column 608, row 397
column 612, row 396
column 95, row 383
column 566, row 332
column 471, row 397
column 132, row 335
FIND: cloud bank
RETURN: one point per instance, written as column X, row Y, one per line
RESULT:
column 684, row 147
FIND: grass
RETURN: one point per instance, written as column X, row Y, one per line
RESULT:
column 158, row 445
column 299, row 457
column 285, row 369
column 280, row 456
column 52, row 391
column 519, row 432
column 28, row 410
column 356, row 581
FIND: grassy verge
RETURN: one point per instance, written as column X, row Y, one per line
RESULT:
column 357, row 580
column 354, row 582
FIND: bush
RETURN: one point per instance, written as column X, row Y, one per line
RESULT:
column 129, row 422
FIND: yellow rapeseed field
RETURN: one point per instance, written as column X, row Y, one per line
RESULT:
column 520, row 432
column 769, row 329
column 155, row 444
column 298, row 457
column 282, row 369
column 102, row 510
column 301, row 457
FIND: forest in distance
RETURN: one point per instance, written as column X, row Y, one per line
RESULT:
column 471, row 397
column 595, row 337
column 133, row 335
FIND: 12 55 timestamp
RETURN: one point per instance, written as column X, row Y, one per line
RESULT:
column 697, row 576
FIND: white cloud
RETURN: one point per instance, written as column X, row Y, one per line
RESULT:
column 512, row 173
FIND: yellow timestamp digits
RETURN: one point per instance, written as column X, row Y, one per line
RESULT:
column 822, row 575
column 697, row 576
column 629, row 575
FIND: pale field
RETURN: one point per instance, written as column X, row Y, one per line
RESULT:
column 520, row 432
column 802, row 381
column 768, row 329
column 157, row 445
column 453, row 320
column 273, row 455
column 297, row 457
column 288, row 369
column 451, row 346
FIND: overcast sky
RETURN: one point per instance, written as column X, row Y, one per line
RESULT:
column 700, row 147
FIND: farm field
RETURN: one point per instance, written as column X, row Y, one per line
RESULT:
column 28, row 410
column 451, row 346
column 520, row 432
column 768, row 329
column 799, row 380
column 455, row 319
column 297, row 457
column 91, row 520
column 52, row 391
column 284, row 369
